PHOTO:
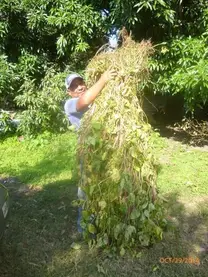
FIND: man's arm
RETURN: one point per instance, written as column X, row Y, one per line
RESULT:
column 89, row 96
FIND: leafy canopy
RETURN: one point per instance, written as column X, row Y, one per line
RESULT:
column 34, row 34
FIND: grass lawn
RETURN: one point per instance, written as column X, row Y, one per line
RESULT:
column 41, row 176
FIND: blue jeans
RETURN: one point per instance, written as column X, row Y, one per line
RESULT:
column 81, row 195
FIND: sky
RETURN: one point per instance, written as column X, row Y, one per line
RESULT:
column 113, row 41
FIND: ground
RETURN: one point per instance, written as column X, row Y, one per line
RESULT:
column 41, row 177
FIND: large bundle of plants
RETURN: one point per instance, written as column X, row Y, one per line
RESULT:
column 119, row 170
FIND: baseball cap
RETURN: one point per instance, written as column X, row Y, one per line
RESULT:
column 70, row 78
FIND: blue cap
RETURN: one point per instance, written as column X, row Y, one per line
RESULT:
column 71, row 78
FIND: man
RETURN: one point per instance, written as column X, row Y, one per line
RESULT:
column 79, row 103
column 81, row 97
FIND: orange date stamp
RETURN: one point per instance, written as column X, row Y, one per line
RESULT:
column 183, row 260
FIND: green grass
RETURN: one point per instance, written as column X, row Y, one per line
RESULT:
column 41, row 176
column 45, row 159
column 183, row 170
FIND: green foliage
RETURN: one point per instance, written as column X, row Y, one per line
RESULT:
column 156, row 19
column 6, row 124
column 124, row 215
column 204, row 21
column 69, row 23
column 44, row 106
column 13, row 75
column 8, row 78
column 183, row 26
column 77, row 22
column 180, row 63
column 119, row 171
column 36, row 33
column 31, row 66
column 181, row 66
column 133, row 12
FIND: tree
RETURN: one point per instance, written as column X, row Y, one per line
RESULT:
column 180, row 30
column 34, row 34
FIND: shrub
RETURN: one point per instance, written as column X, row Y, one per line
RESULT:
column 8, row 79
column 44, row 105
column 181, row 66
column 6, row 123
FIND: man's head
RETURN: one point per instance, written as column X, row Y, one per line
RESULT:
column 75, row 85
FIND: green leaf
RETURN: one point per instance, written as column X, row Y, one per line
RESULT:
column 144, row 205
column 155, row 267
column 75, row 246
column 122, row 251
column 146, row 213
column 96, row 125
column 135, row 214
column 91, row 228
column 104, row 156
column 119, row 229
column 139, row 255
column 151, row 207
column 122, row 183
column 144, row 239
column 91, row 141
column 75, row 203
column 90, row 189
column 85, row 215
column 102, row 204
column 159, row 232
column 131, row 198
column 115, row 175
column 129, row 231
column 137, row 168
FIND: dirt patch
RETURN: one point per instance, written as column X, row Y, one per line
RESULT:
column 15, row 186
column 190, row 135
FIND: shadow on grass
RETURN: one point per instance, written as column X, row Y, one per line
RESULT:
column 42, row 226
column 41, row 222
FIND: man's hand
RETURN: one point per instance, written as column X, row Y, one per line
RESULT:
column 89, row 96
column 108, row 75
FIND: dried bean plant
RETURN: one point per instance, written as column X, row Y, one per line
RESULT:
column 119, row 174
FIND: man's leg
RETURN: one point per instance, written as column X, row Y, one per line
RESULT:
column 81, row 195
